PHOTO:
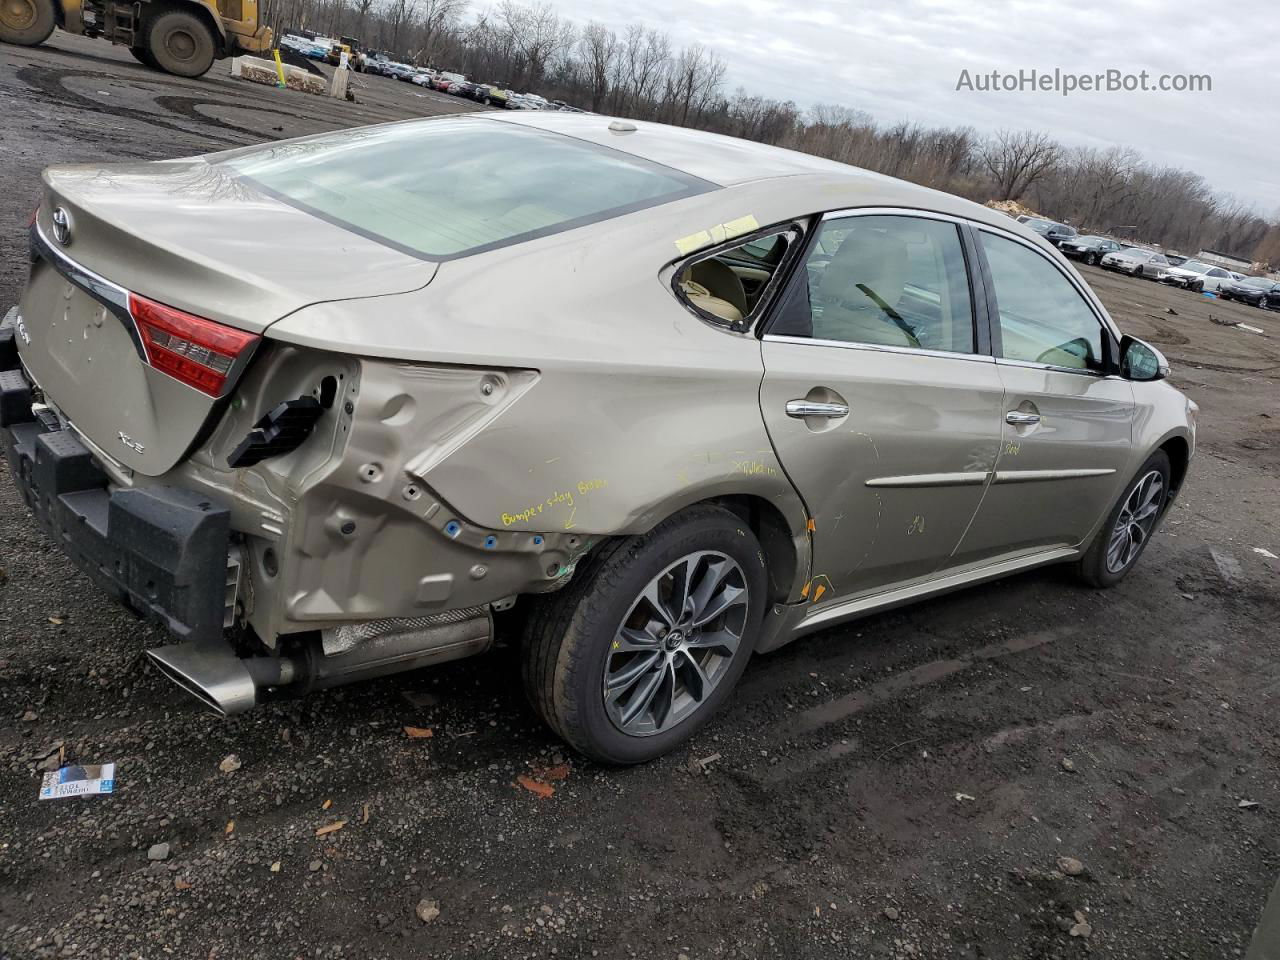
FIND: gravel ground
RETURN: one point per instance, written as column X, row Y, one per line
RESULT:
column 1028, row 769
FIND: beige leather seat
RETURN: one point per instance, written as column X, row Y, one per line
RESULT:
column 702, row 298
column 867, row 275
column 714, row 287
column 721, row 282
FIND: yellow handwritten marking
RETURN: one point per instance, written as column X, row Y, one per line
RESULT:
column 560, row 498
column 916, row 525
column 1011, row 448
column 753, row 468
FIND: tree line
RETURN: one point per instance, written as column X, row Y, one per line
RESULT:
column 639, row 72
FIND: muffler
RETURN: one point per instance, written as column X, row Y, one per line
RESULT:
column 229, row 684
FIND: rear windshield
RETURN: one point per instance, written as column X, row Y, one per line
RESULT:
column 440, row 189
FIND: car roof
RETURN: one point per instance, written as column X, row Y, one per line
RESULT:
column 730, row 161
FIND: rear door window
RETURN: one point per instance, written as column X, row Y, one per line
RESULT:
column 898, row 281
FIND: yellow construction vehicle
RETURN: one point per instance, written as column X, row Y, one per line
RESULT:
column 181, row 37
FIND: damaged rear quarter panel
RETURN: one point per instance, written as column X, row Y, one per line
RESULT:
column 635, row 407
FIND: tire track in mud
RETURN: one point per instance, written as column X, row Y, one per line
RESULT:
column 50, row 84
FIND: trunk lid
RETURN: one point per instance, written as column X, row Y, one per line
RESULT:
column 189, row 235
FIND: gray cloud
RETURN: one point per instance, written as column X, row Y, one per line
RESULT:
column 901, row 62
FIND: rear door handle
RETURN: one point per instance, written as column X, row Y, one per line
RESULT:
column 1020, row 419
column 815, row 408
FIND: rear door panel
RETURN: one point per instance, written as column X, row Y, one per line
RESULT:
column 893, row 486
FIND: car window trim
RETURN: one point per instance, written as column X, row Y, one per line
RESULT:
column 777, row 282
column 1111, row 339
column 977, row 299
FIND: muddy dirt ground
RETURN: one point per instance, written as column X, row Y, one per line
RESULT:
column 893, row 788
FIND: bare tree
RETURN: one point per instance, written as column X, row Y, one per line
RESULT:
column 599, row 50
column 1016, row 160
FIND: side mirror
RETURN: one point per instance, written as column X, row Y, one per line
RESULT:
column 1141, row 361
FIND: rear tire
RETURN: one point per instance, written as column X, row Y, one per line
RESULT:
column 26, row 22
column 1114, row 550
column 574, row 642
column 144, row 57
column 180, row 43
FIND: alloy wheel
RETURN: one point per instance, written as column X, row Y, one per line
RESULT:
column 1137, row 518
column 676, row 643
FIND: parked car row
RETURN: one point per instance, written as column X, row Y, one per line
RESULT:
column 457, row 85
column 1194, row 275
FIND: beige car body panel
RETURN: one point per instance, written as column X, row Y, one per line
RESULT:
column 501, row 413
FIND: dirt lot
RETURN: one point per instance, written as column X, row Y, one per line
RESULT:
column 894, row 788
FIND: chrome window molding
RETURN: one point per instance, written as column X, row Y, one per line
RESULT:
column 880, row 348
column 1033, row 365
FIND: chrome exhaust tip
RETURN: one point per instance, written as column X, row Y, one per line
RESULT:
column 211, row 672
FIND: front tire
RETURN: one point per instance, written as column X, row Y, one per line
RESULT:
column 646, row 642
column 1128, row 528
column 26, row 22
column 180, row 44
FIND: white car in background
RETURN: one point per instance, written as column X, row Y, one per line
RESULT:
column 1137, row 262
column 1198, row 276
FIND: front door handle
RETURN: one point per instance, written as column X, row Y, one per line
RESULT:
column 815, row 408
column 1020, row 419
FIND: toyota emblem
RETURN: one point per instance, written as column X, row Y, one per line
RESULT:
column 61, row 226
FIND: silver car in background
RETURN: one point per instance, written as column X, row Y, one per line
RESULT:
column 1137, row 262
column 662, row 398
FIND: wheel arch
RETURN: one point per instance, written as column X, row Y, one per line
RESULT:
column 786, row 545
column 1178, row 449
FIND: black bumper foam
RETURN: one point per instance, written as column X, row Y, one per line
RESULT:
column 161, row 551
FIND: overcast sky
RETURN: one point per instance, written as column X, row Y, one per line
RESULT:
column 901, row 60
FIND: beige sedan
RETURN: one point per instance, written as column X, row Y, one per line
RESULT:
column 665, row 399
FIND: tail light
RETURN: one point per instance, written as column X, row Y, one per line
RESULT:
column 199, row 352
